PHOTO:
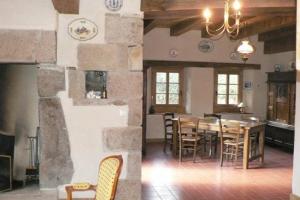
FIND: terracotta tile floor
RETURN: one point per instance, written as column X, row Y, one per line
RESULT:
column 164, row 178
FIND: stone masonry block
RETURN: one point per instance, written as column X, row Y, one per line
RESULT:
column 135, row 58
column 50, row 81
column 56, row 166
column 46, row 49
column 76, row 84
column 135, row 112
column 130, row 29
column 129, row 189
column 27, row 46
column 105, row 57
column 134, row 164
column 125, row 85
column 124, row 138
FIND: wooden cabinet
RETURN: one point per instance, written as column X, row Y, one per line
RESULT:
column 281, row 108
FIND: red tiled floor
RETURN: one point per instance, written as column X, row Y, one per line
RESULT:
column 164, row 178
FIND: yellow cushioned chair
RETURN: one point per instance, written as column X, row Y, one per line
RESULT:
column 108, row 176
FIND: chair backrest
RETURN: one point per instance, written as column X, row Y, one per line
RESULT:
column 217, row 118
column 233, row 128
column 108, row 176
column 168, row 123
column 188, row 126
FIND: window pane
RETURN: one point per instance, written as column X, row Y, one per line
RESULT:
column 233, row 89
column 174, row 77
column 161, row 88
column 222, row 79
column 161, row 77
column 161, row 99
column 233, row 79
column 222, row 89
column 174, row 88
column 221, row 99
column 233, row 99
column 173, row 99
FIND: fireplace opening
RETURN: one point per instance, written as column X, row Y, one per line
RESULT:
column 19, row 120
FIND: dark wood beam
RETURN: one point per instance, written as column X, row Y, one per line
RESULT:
column 185, row 26
column 163, row 5
column 218, row 13
column 148, row 26
column 161, row 63
column 266, row 26
column 280, row 45
column 280, row 33
column 66, row 6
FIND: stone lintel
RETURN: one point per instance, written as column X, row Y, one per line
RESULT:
column 103, row 57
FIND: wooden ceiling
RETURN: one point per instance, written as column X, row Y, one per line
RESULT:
column 258, row 16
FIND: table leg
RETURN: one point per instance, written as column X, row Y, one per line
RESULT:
column 261, row 145
column 246, row 150
column 175, row 131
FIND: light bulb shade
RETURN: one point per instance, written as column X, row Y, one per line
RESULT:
column 245, row 48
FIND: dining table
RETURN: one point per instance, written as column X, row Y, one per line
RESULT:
column 246, row 127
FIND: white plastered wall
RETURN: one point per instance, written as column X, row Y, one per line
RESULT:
column 296, row 174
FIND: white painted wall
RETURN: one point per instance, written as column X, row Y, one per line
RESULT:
column 296, row 174
column 19, row 110
column 199, row 82
column 29, row 14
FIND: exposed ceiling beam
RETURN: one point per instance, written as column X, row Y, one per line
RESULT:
column 66, row 6
column 162, row 5
column 266, row 26
column 281, row 33
column 150, row 25
column 217, row 13
column 156, row 23
column 185, row 26
column 280, row 45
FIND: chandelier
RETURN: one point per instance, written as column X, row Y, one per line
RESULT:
column 231, row 24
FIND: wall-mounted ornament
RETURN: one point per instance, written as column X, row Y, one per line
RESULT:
column 173, row 53
column 82, row 29
column 113, row 5
column 233, row 55
column 206, row 46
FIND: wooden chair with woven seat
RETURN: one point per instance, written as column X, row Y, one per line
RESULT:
column 168, row 125
column 108, row 176
column 211, row 137
column 189, row 138
column 232, row 142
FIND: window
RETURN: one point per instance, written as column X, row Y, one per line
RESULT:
column 167, row 89
column 228, row 90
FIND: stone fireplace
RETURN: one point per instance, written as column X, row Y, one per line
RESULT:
column 76, row 132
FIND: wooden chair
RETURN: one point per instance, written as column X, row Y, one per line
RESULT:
column 189, row 138
column 232, row 142
column 108, row 176
column 168, row 124
column 211, row 137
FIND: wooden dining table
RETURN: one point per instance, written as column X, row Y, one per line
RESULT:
column 247, row 127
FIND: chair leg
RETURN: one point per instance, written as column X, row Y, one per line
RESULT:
column 195, row 151
column 222, row 156
column 180, row 153
column 165, row 143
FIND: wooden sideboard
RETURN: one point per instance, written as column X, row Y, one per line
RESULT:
column 281, row 109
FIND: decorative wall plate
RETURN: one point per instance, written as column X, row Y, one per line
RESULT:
column 113, row 5
column 82, row 29
column 233, row 55
column 173, row 53
column 206, row 46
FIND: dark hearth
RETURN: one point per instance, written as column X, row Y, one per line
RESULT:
column 7, row 144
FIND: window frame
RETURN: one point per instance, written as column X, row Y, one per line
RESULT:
column 161, row 108
column 232, row 108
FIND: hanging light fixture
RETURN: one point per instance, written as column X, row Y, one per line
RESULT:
column 245, row 49
column 231, row 29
